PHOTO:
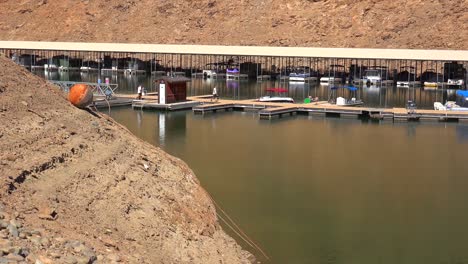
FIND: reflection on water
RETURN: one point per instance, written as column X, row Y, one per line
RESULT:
column 373, row 96
column 313, row 190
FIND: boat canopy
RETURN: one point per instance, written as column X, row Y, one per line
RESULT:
column 279, row 90
column 235, row 70
column 351, row 88
column 462, row 93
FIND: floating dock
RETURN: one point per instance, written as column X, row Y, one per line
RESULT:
column 153, row 104
column 102, row 103
column 323, row 108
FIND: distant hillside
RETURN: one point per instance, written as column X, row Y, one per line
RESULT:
column 435, row 24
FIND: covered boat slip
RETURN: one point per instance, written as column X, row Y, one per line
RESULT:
column 260, row 62
column 267, row 51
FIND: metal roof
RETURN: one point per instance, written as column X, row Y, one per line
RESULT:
column 346, row 53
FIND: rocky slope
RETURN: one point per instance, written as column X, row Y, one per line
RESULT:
column 435, row 24
column 80, row 188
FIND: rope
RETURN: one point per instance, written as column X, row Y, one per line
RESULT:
column 255, row 246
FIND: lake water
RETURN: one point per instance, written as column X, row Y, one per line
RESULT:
column 373, row 96
column 322, row 190
column 326, row 190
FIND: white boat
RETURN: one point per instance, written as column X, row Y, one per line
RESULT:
column 449, row 106
column 50, row 67
column 376, row 75
column 455, row 82
column 276, row 99
column 303, row 74
column 213, row 74
column 408, row 83
column 329, row 80
column 335, row 74
column 340, row 101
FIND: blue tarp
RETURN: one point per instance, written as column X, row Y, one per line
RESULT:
column 351, row 88
column 462, row 93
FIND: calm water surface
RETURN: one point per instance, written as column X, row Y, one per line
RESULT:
column 247, row 89
column 324, row 190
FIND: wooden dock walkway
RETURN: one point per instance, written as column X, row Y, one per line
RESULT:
column 323, row 108
column 204, row 104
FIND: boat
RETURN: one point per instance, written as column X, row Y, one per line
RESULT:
column 449, row 106
column 50, row 67
column 407, row 77
column 430, row 78
column 276, row 99
column 234, row 74
column 302, row 74
column 341, row 101
column 376, row 75
column 215, row 70
column 356, row 72
column 335, row 74
column 455, row 74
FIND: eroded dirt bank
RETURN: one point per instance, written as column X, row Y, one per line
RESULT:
column 92, row 190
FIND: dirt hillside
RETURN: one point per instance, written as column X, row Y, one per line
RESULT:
column 435, row 24
column 79, row 188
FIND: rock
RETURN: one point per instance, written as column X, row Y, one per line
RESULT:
column 44, row 260
column 113, row 257
column 55, row 255
column 72, row 244
column 69, row 260
column 14, row 257
column 36, row 232
column 90, row 255
column 4, row 251
column 47, row 213
column 85, row 260
column 36, row 241
column 22, row 236
column 3, row 260
column 24, row 103
column 17, row 251
column 13, row 230
column 45, row 242
column 25, row 232
column 3, row 224
column 5, row 243
column 15, row 223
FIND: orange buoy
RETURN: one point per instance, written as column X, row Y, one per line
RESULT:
column 80, row 95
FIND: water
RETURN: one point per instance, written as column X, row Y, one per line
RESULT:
column 374, row 96
column 326, row 190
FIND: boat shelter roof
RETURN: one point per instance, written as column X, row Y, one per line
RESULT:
column 345, row 53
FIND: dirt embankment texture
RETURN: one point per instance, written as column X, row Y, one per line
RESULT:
column 435, row 24
column 78, row 188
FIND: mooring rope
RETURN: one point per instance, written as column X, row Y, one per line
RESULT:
column 243, row 236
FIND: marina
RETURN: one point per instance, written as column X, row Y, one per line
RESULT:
column 250, row 132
